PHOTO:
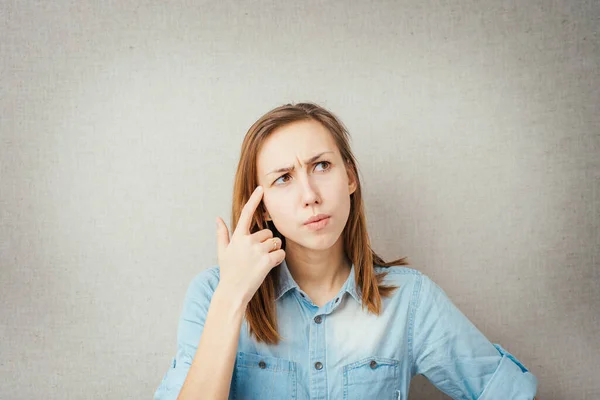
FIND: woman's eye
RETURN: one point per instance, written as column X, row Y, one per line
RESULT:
column 323, row 162
column 327, row 163
column 282, row 176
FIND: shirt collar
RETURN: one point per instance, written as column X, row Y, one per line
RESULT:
column 287, row 283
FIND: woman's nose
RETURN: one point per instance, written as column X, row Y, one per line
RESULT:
column 309, row 192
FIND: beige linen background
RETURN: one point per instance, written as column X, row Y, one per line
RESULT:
column 475, row 124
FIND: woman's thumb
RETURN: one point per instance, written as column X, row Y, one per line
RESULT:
column 222, row 235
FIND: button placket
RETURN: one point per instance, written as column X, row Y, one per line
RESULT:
column 318, row 353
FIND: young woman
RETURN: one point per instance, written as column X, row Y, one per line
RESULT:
column 300, row 307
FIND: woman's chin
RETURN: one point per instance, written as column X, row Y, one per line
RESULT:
column 319, row 243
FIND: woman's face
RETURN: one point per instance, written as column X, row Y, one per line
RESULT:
column 314, row 186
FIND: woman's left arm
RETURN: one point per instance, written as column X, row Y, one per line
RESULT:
column 457, row 358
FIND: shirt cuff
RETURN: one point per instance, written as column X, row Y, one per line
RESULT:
column 510, row 381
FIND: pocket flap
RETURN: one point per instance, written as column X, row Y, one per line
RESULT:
column 371, row 369
column 379, row 362
column 276, row 364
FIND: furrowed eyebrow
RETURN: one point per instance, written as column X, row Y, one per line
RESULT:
column 288, row 169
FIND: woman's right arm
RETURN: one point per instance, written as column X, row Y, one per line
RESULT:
column 212, row 368
column 214, row 308
column 203, row 339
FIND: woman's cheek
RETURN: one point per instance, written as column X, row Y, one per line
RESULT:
column 272, row 202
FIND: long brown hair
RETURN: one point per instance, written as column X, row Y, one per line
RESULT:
column 261, row 311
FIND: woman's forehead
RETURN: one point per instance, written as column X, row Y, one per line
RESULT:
column 294, row 143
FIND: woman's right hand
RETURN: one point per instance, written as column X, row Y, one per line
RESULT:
column 246, row 259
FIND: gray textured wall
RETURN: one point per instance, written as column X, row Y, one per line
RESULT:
column 476, row 126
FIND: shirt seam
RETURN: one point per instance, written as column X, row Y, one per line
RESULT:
column 399, row 270
column 414, row 305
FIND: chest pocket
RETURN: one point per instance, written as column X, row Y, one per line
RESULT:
column 372, row 378
column 263, row 378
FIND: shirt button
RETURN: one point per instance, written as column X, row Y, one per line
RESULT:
column 262, row 365
column 318, row 365
column 373, row 364
column 318, row 319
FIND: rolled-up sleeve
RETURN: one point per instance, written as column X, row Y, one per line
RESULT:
column 457, row 358
column 190, row 326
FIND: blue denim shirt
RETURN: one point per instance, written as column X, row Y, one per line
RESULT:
column 340, row 351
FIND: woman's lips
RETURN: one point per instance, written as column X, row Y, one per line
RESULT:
column 315, row 226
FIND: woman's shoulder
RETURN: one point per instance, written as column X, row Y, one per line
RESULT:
column 399, row 275
column 399, row 272
column 424, row 286
column 205, row 280
column 397, row 269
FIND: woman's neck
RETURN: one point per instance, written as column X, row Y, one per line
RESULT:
column 319, row 273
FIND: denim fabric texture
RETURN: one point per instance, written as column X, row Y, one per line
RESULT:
column 348, row 353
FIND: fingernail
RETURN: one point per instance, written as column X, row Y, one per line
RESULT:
column 259, row 188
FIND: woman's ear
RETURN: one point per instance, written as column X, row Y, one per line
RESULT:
column 352, row 182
